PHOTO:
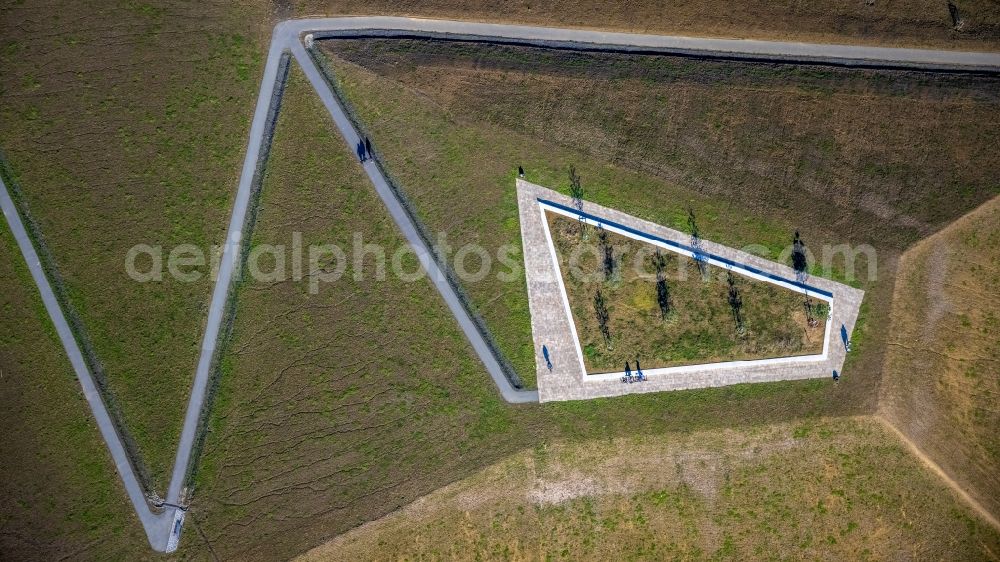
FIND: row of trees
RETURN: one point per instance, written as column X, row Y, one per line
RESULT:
column 607, row 255
column 658, row 261
column 665, row 302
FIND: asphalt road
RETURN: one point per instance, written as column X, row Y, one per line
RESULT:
column 163, row 525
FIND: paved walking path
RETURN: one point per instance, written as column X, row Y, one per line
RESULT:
column 163, row 525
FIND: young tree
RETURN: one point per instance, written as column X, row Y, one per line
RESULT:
column 692, row 225
column 575, row 189
column 957, row 21
column 816, row 312
column 662, row 289
column 735, row 302
column 699, row 258
column 799, row 263
column 576, row 193
column 821, row 311
column 601, row 311
column 607, row 253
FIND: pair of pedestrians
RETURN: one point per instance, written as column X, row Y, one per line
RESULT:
column 637, row 377
column 364, row 149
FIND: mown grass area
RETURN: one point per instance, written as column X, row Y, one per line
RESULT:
column 126, row 123
column 699, row 325
column 941, row 383
column 337, row 408
column 458, row 169
column 756, row 150
column 848, row 489
column 58, row 485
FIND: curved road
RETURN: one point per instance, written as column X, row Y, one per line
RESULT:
column 163, row 525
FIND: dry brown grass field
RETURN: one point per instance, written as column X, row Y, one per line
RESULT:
column 704, row 495
column 366, row 444
column 323, row 396
column 119, row 119
column 940, row 384
column 830, row 149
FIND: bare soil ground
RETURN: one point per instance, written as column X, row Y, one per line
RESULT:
column 940, row 385
column 848, row 490
column 700, row 326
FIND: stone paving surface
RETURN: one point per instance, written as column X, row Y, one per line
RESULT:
column 552, row 327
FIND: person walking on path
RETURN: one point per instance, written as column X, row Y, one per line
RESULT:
column 361, row 151
column 368, row 148
column 638, row 370
column 628, row 372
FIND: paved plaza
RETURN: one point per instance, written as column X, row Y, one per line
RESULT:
column 552, row 325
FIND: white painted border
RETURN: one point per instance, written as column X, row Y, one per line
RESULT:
column 613, row 376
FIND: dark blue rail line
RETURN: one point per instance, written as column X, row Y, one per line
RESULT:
column 687, row 248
